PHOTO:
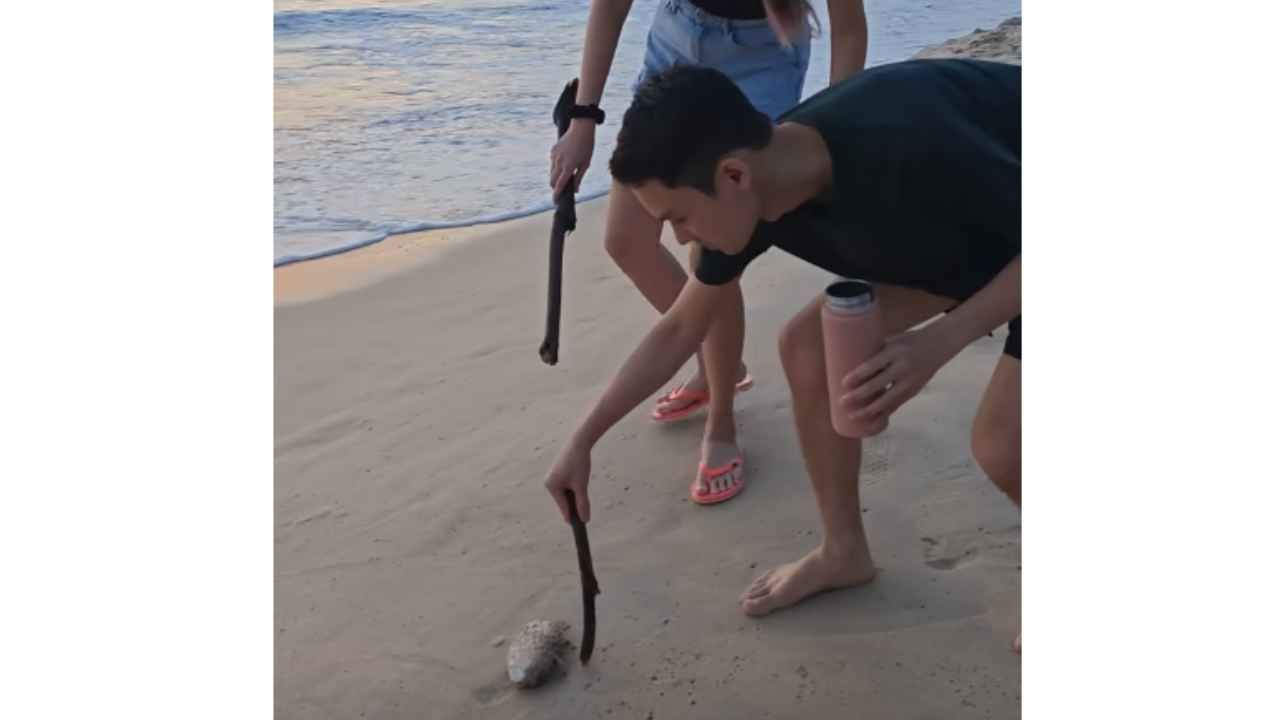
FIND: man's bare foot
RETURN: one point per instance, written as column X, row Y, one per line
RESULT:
column 819, row 571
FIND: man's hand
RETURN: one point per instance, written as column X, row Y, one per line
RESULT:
column 671, row 342
column 879, row 386
column 571, row 471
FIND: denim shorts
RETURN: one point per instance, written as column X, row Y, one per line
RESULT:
column 770, row 74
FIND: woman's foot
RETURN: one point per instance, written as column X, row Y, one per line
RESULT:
column 817, row 572
column 692, row 392
column 720, row 474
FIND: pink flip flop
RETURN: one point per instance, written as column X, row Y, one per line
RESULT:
column 697, row 399
column 708, row 474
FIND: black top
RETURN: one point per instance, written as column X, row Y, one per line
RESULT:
column 926, row 192
column 732, row 9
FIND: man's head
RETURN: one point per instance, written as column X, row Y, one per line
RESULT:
column 684, row 149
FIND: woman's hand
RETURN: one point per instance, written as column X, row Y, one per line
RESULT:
column 571, row 155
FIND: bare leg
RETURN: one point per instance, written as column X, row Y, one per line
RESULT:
column 844, row 558
column 997, row 429
column 997, row 434
column 722, row 365
column 632, row 238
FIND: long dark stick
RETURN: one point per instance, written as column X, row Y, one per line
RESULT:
column 566, row 221
column 590, row 588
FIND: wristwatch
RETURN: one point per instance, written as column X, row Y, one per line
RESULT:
column 591, row 112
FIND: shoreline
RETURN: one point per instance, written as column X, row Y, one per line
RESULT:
column 323, row 277
column 430, row 227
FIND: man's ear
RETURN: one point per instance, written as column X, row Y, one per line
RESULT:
column 736, row 171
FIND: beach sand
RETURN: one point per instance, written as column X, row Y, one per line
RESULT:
column 415, row 423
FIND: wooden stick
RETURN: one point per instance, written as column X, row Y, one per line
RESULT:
column 566, row 221
column 590, row 588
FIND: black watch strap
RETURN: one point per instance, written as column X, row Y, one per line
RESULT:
column 591, row 112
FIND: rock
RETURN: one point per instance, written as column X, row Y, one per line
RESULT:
column 536, row 652
column 1003, row 44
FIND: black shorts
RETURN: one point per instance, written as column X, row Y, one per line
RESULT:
column 1013, row 344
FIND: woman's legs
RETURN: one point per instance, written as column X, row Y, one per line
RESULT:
column 632, row 238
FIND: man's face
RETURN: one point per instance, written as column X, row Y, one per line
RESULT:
column 722, row 222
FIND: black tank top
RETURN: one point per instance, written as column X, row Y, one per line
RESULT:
column 733, row 9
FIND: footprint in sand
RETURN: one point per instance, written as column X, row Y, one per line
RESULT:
column 494, row 692
column 483, row 352
column 805, row 686
column 323, row 433
column 948, row 552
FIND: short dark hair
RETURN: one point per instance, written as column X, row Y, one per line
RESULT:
column 680, row 124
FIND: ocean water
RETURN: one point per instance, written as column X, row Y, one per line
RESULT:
column 399, row 115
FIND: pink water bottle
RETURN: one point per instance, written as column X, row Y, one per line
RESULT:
column 852, row 332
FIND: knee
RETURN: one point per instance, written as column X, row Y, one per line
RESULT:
column 997, row 450
column 626, row 249
column 802, row 357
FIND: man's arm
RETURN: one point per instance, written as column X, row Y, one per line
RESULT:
column 998, row 302
column 982, row 181
column 671, row 342
column 667, row 346
column 848, row 38
column 908, row 361
column 982, row 187
column 987, row 183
